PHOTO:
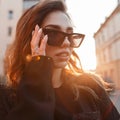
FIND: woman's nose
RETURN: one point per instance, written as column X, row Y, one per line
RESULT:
column 66, row 42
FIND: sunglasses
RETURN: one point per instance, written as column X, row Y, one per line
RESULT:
column 56, row 37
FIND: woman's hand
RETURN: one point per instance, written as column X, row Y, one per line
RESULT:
column 36, row 48
column 109, row 87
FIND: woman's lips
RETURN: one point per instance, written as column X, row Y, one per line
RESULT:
column 64, row 56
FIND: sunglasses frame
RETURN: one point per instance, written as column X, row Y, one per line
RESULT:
column 46, row 30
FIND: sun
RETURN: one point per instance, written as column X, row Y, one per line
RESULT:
column 87, row 54
column 88, row 24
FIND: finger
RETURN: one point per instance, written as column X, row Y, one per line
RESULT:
column 43, row 45
column 34, row 33
column 36, row 30
column 36, row 38
column 109, row 90
column 110, row 85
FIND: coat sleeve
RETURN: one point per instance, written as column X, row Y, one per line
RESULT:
column 36, row 96
column 107, row 108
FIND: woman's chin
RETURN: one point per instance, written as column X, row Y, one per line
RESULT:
column 60, row 65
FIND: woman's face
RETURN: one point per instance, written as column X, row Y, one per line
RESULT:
column 60, row 54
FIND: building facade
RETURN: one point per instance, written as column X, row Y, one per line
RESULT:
column 107, row 41
column 10, row 12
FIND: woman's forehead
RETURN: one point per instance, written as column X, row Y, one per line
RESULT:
column 58, row 19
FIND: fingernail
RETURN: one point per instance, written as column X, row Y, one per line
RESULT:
column 45, row 37
column 37, row 27
column 33, row 32
column 40, row 30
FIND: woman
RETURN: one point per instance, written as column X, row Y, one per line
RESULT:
column 44, row 80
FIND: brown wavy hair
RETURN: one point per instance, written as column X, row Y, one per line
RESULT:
column 16, row 53
column 20, row 48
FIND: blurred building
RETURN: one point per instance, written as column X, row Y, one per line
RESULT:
column 107, row 41
column 10, row 12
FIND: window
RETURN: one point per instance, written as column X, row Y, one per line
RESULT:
column 10, row 14
column 9, row 31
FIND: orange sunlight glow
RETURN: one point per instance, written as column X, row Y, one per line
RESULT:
column 87, row 16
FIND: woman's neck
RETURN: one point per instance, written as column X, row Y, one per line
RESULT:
column 56, row 79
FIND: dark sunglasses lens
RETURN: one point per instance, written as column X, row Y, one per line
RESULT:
column 55, row 38
column 75, row 39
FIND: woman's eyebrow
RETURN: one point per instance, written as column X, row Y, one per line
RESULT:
column 52, row 26
column 58, row 27
column 69, row 29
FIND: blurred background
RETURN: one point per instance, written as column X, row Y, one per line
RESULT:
column 99, row 20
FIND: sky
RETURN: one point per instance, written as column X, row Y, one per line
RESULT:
column 87, row 16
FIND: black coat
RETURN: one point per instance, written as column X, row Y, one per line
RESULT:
column 36, row 99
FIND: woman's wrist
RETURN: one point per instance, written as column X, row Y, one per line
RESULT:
column 30, row 58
